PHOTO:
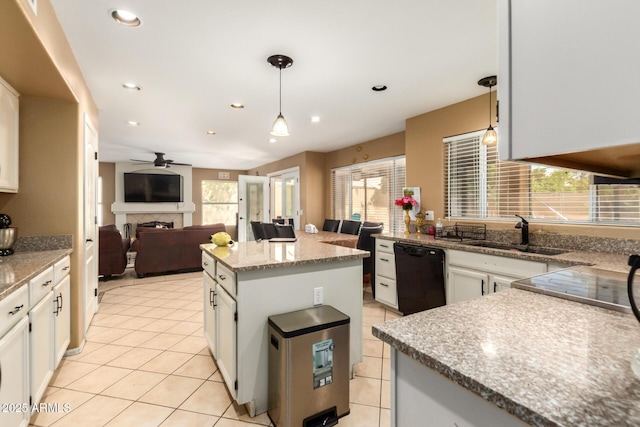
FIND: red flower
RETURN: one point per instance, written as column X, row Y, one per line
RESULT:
column 406, row 202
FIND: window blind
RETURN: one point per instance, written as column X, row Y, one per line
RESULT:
column 366, row 192
column 479, row 186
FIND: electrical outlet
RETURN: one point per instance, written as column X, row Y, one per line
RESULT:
column 428, row 215
column 317, row 296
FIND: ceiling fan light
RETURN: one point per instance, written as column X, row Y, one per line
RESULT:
column 490, row 136
column 280, row 127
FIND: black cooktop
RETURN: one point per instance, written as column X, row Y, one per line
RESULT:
column 589, row 285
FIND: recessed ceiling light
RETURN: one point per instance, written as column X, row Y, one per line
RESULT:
column 272, row 140
column 131, row 86
column 125, row 17
column 210, row 132
column 379, row 88
column 237, row 105
column 132, row 123
column 315, row 119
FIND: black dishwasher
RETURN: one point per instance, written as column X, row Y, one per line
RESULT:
column 419, row 277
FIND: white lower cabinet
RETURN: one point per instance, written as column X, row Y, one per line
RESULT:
column 471, row 275
column 14, row 360
column 386, row 291
column 210, row 334
column 61, row 319
column 227, row 339
column 40, row 347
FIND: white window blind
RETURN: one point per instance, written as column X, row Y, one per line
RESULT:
column 366, row 192
column 479, row 186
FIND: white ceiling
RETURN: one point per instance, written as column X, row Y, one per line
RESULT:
column 193, row 58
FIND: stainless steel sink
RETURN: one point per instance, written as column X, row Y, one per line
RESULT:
column 532, row 249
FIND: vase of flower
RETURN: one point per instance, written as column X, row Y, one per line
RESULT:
column 406, row 203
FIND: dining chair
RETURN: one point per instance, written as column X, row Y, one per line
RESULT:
column 278, row 221
column 258, row 231
column 331, row 225
column 350, row 227
column 368, row 243
column 269, row 230
column 285, row 231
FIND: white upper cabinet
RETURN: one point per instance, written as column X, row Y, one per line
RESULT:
column 569, row 82
column 8, row 138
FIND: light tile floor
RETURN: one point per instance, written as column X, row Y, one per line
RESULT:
column 146, row 363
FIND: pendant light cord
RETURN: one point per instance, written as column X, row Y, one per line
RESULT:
column 280, row 108
column 490, row 86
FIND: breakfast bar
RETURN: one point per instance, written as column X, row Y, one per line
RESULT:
column 246, row 283
column 514, row 358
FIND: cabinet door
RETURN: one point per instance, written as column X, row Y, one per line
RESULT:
column 209, row 287
column 559, row 90
column 466, row 284
column 8, row 139
column 499, row 283
column 227, row 339
column 40, row 346
column 61, row 319
column 14, row 374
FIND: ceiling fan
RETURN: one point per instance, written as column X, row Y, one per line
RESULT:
column 161, row 162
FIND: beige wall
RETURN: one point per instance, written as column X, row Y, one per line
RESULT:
column 107, row 171
column 38, row 62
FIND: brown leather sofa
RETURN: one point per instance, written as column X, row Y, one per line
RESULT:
column 112, row 251
column 163, row 250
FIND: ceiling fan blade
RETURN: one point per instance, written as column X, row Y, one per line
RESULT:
column 181, row 164
column 142, row 161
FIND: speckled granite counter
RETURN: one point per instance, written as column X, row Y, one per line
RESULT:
column 308, row 249
column 547, row 361
column 16, row 270
column 602, row 260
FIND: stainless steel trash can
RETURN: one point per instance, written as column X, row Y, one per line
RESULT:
column 308, row 367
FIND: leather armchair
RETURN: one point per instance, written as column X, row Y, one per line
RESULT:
column 112, row 251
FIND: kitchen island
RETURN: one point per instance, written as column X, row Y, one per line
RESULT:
column 248, row 282
column 513, row 358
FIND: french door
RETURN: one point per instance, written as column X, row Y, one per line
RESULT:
column 253, row 204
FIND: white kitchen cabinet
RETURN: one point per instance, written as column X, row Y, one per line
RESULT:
column 40, row 347
column 385, row 281
column 465, row 284
column 9, row 112
column 61, row 312
column 14, row 375
column 567, row 81
column 61, row 319
column 471, row 275
column 227, row 339
column 210, row 324
column 14, row 358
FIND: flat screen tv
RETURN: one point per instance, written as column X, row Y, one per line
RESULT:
column 152, row 188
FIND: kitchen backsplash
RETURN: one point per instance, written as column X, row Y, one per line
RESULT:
column 43, row 243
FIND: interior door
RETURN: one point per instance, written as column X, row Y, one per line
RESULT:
column 285, row 195
column 253, row 204
column 90, row 293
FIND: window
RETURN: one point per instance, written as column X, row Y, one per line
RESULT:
column 366, row 192
column 219, row 202
column 479, row 186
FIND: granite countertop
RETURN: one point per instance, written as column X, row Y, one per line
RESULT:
column 548, row 361
column 263, row 255
column 601, row 260
column 16, row 270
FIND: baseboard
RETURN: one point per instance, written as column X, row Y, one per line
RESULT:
column 76, row 350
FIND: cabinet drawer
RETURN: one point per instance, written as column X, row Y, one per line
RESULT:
column 40, row 285
column 61, row 269
column 208, row 264
column 226, row 278
column 386, row 291
column 384, row 245
column 496, row 264
column 12, row 308
column 386, row 264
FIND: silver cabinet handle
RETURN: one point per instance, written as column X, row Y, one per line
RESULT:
column 482, row 286
column 65, row 268
column 384, row 259
column 384, row 284
column 222, row 276
column 47, row 283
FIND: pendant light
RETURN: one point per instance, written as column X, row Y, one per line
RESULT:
column 490, row 136
column 280, row 127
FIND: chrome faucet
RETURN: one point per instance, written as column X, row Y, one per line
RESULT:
column 524, row 225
